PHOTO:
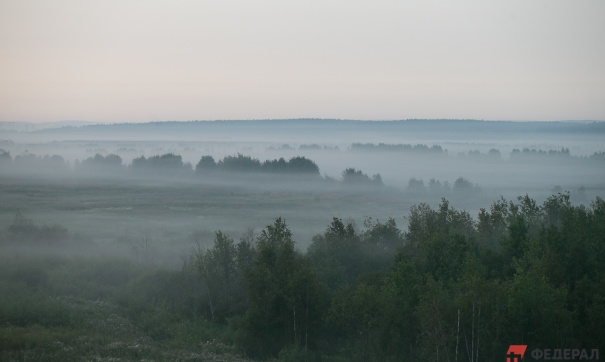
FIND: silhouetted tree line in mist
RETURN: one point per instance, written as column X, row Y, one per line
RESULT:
column 386, row 147
column 109, row 163
column 167, row 164
column 29, row 162
column 241, row 163
column 171, row 165
column 525, row 154
column 357, row 177
column 461, row 186
column 316, row 147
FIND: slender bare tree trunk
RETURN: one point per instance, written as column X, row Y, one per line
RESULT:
column 306, row 323
column 458, row 335
column 473, row 335
column 210, row 300
column 478, row 319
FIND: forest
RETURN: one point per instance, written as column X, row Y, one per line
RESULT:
column 449, row 287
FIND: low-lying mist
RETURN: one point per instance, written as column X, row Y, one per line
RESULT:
column 301, row 240
column 167, row 189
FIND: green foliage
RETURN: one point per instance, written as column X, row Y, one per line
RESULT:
column 275, row 166
column 382, row 236
column 284, row 297
column 22, row 306
column 60, row 308
column 239, row 163
column 167, row 164
column 5, row 158
column 337, row 255
column 417, row 186
column 31, row 163
column 106, row 164
column 23, row 229
column 447, row 288
column 464, row 187
column 206, row 164
column 352, row 176
column 220, row 273
column 303, row 165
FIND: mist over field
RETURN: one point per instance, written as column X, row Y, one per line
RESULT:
column 169, row 204
column 158, row 201
column 302, row 181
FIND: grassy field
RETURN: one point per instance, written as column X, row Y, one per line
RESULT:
column 173, row 214
column 99, row 309
column 113, row 290
column 113, row 285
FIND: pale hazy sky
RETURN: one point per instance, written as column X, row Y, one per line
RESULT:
column 155, row 60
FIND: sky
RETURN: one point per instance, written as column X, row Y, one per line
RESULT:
column 160, row 60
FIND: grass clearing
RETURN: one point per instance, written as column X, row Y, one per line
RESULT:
column 75, row 308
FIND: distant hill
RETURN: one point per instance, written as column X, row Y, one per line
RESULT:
column 294, row 130
column 32, row 127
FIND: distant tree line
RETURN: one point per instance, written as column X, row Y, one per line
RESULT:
column 516, row 155
column 172, row 165
column 491, row 155
column 386, row 147
column 316, row 147
column 167, row 164
column 29, row 162
column 241, row 163
column 532, row 154
column 526, row 152
column 448, row 288
column 110, row 163
column 461, row 186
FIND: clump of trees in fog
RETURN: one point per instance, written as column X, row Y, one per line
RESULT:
column 597, row 156
column 491, row 155
column 24, row 230
column 461, row 186
column 169, row 164
column 241, row 163
column 105, row 164
column 5, row 158
column 352, row 176
column 28, row 163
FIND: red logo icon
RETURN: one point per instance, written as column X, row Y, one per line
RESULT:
column 515, row 352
